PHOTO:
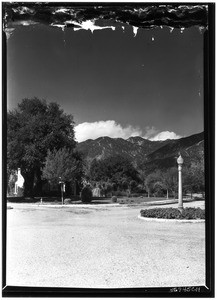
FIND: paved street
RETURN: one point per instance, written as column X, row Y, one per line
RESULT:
column 101, row 247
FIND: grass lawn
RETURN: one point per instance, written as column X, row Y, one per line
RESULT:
column 101, row 200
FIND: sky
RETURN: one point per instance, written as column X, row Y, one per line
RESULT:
column 116, row 83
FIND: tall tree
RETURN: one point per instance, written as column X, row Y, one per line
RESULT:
column 169, row 180
column 142, row 176
column 63, row 164
column 96, row 171
column 33, row 128
column 194, row 177
column 150, row 181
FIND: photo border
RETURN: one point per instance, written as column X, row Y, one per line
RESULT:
column 209, row 139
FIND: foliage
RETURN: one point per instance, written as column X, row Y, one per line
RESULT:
column 150, row 180
column 116, row 169
column 142, row 173
column 173, row 213
column 108, row 188
column 124, row 184
column 11, row 183
column 194, row 177
column 86, row 194
column 20, row 192
column 61, row 164
column 133, row 185
column 67, row 201
column 169, row 179
column 86, row 168
column 123, row 176
column 160, row 181
column 32, row 129
column 96, row 170
column 114, row 199
column 127, row 201
column 120, row 193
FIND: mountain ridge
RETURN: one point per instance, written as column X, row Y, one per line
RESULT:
column 142, row 151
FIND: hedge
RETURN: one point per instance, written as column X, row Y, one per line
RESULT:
column 188, row 213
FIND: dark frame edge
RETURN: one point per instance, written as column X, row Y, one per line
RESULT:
column 209, row 143
column 4, row 148
column 12, row 291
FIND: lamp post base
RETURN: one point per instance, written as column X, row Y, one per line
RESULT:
column 180, row 208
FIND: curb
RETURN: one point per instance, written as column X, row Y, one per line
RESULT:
column 160, row 202
column 171, row 220
column 75, row 205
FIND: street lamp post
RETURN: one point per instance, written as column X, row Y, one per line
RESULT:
column 180, row 161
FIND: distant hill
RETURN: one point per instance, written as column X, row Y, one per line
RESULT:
column 135, row 148
column 154, row 154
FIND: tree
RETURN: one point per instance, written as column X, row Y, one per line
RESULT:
column 11, row 183
column 169, row 180
column 116, row 169
column 124, row 184
column 142, row 176
column 194, row 177
column 62, row 164
column 86, row 168
column 159, row 181
column 150, row 180
column 133, row 185
column 155, row 183
column 97, row 171
column 32, row 129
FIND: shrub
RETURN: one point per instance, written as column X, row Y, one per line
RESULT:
column 20, row 192
column 158, row 194
column 114, row 199
column 199, row 198
column 86, row 194
column 67, row 201
column 188, row 213
column 126, row 201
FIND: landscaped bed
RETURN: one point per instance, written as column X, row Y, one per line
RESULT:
column 188, row 213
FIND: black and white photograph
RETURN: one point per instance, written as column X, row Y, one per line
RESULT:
column 108, row 127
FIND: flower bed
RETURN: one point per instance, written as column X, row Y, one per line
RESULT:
column 189, row 213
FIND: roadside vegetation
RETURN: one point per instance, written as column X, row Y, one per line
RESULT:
column 188, row 213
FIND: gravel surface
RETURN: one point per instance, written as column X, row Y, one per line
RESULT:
column 101, row 247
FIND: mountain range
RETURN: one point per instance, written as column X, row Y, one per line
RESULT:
column 140, row 151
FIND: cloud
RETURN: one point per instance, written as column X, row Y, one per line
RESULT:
column 153, row 134
column 165, row 135
column 150, row 132
column 109, row 128
column 94, row 130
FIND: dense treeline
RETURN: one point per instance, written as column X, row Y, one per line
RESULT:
column 117, row 175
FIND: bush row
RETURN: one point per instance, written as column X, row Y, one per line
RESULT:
column 173, row 213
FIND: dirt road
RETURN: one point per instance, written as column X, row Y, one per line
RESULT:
column 101, row 247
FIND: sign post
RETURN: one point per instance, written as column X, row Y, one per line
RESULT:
column 62, row 186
